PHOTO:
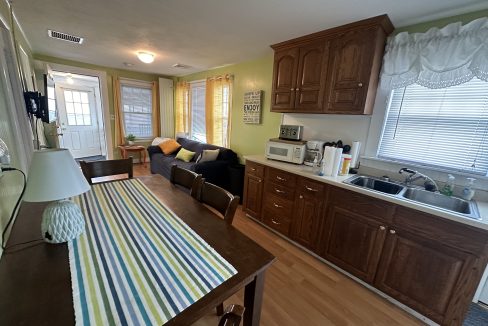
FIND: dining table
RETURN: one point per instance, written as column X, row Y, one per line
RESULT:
column 35, row 277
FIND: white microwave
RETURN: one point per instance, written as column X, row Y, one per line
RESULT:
column 287, row 151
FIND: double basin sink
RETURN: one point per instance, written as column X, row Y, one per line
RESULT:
column 438, row 200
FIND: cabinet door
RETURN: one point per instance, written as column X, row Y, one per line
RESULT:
column 424, row 274
column 351, row 64
column 253, row 193
column 312, row 71
column 353, row 242
column 284, row 80
column 307, row 213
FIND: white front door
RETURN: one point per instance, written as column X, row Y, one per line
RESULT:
column 77, row 114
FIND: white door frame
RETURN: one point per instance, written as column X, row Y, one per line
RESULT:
column 107, row 117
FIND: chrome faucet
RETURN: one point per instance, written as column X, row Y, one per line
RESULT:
column 412, row 175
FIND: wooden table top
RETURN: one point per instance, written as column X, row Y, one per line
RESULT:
column 35, row 280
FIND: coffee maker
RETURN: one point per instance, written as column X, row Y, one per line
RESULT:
column 315, row 149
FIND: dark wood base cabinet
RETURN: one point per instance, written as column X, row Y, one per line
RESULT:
column 428, row 263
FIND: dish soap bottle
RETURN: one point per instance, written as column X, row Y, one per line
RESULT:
column 468, row 191
column 448, row 188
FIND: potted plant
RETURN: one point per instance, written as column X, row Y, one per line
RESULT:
column 130, row 139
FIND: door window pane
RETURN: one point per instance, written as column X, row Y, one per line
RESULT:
column 78, row 112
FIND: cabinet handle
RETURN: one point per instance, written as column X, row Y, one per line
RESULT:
column 301, row 197
column 279, row 191
column 297, row 89
column 259, row 180
column 292, row 89
column 392, row 231
column 274, row 222
column 277, row 206
column 310, row 189
column 280, row 178
column 360, row 84
column 382, row 228
column 253, row 169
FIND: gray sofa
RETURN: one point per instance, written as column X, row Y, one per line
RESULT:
column 216, row 172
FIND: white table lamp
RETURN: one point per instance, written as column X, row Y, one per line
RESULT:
column 55, row 176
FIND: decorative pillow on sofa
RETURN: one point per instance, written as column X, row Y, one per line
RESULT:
column 170, row 146
column 158, row 140
column 185, row 155
column 208, row 155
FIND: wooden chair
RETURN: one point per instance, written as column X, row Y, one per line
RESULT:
column 106, row 168
column 220, row 199
column 186, row 179
column 232, row 315
column 225, row 203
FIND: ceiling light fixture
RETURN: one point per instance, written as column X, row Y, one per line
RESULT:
column 145, row 57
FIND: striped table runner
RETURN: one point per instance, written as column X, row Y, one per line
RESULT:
column 137, row 263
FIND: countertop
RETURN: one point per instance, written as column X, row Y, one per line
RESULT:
column 306, row 171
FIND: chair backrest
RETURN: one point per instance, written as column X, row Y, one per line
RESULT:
column 98, row 169
column 220, row 199
column 232, row 315
column 187, row 179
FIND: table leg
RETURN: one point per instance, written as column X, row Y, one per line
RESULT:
column 253, row 299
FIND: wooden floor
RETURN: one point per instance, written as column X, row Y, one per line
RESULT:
column 302, row 290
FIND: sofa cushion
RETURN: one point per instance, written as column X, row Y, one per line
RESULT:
column 169, row 146
column 185, row 155
column 208, row 155
column 197, row 147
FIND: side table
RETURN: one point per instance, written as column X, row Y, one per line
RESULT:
column 126, row 149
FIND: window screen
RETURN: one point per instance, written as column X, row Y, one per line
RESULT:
column 197, row 90
column 137, row 110
column 443, row 128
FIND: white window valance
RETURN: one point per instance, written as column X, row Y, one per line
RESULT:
column 438, row 58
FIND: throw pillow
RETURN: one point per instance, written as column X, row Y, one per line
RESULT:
column 169, row 146
column 185, row 155
column 208, row 155
column 158, row 140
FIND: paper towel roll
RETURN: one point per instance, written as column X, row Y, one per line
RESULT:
column 355, row 148
column 328, row 160
column 337, row 162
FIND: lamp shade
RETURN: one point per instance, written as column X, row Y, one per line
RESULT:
column 54, row 175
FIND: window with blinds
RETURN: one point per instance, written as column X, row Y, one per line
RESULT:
column 137, row 110
column 440, row 128
column 197, row 96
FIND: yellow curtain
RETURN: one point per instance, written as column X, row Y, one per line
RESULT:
column 218, row 107
column 182, row 110
column 155, row 109
column 119, row 119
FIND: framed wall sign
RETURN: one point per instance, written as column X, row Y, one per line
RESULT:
column 252, row 107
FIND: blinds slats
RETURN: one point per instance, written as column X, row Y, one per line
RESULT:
column 137, row 111
column 198, row 130
column 446, row 128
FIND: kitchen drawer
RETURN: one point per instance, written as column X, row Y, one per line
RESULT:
column 311, row 189
column 255, row 169
column 361, row 204
column 280, row 206
column 276, row 221
column 281, row 177
column 272, row 188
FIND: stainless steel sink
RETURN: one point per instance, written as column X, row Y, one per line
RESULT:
column 377, row 184
column 454, row 204
column 457, row 205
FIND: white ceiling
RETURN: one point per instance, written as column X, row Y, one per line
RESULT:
column 202, row 33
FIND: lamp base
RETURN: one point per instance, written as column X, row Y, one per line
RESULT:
column 62, row 221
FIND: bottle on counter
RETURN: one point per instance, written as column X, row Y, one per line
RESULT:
column 468, row 191
column 345, row 164
column 316, row 166
column 448, row 188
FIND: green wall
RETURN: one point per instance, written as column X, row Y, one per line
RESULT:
column 423, row 27
column 111, row 73
column 248, row 139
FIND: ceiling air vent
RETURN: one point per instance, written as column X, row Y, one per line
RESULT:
column 64, row 37
column 182, row 66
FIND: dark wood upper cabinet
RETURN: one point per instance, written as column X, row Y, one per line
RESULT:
column 334, row 71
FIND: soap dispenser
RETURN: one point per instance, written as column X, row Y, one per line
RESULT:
column 448, row 188
column 468, row 191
